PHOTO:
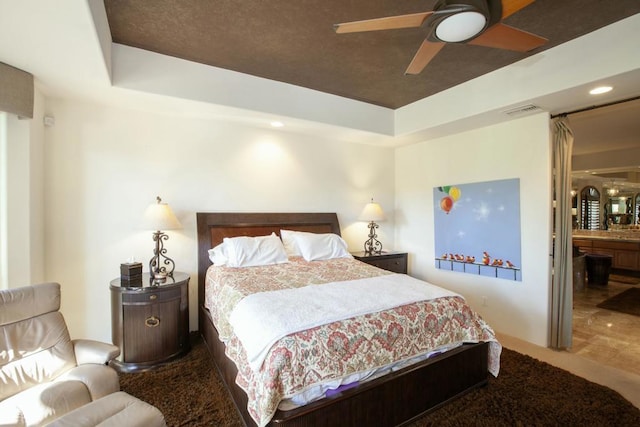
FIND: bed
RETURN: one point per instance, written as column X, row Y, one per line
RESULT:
column 393, row 399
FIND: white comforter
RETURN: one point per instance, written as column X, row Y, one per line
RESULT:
column 260, row 320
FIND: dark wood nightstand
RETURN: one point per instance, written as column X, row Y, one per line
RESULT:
column 392, row 261
column 150, row 323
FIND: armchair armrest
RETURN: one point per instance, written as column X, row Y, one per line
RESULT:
column 89, row 351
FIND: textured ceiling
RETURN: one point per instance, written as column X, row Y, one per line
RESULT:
column 294, row 41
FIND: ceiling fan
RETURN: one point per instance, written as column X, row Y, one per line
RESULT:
column 476, row 22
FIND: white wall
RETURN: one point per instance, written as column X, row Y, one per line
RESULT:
column 515, row 149
column 104, row 165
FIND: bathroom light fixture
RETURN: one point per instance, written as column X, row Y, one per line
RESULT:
column 277, row 124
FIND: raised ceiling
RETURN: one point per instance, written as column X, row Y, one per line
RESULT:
column 294, row 41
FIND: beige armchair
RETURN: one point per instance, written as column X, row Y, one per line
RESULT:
column 43, row 373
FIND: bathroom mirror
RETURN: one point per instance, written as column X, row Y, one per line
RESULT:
column 620, row 209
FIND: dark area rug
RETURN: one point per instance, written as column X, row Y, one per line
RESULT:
column 189, row 392
column 625, row 302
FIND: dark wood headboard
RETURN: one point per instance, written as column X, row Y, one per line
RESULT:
column 215, row 226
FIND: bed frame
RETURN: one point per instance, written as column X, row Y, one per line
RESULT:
column 394, row 399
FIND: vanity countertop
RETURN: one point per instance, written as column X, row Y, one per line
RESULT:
column 615, row 235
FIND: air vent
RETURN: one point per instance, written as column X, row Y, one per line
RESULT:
column 523, row 109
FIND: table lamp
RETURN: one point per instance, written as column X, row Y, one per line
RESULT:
column 372, row 212
column 159, row 216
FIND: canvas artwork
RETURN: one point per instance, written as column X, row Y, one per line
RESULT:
column 477, row 228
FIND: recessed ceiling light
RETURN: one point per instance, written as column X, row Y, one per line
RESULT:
column 600, row 90
column 277, row 124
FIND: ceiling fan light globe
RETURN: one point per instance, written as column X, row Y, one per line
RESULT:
column 460, row 27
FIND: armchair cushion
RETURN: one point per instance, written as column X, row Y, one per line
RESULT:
column 89, row 351
column 115, row 410
column 43, row 403
column 34, row 351
column 99, row 380
column 29, row 301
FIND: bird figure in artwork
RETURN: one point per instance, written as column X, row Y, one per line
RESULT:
column 486, row 259
column 470, row 259
column 510, row 264
column 444, row 256
column 495, row 262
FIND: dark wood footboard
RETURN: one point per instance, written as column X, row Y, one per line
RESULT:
column 392, row 400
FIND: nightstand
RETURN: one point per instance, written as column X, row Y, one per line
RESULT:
column 392, row 261
column 150, row 323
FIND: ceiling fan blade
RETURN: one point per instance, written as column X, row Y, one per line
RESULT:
column 509, row 7
column 389, row 23
column 423, row 56
column 502, row 36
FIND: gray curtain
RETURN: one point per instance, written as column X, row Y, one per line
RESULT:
column 562, row 284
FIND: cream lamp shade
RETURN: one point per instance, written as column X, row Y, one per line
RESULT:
column 372, row 212
column 159, row 216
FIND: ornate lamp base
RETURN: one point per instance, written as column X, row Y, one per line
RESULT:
column 372, row 245
column 156, row 270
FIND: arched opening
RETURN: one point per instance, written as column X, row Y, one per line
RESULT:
column 590, row 208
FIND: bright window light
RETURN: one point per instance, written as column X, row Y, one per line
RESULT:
column 277, row 124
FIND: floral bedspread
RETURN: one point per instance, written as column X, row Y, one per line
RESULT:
column 339, row 349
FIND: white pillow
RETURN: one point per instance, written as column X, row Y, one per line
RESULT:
column 316, row 247
column 246, row 251
column 289, row 242
column 217, row 255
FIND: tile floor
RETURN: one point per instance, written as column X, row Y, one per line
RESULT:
column 607, row 337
